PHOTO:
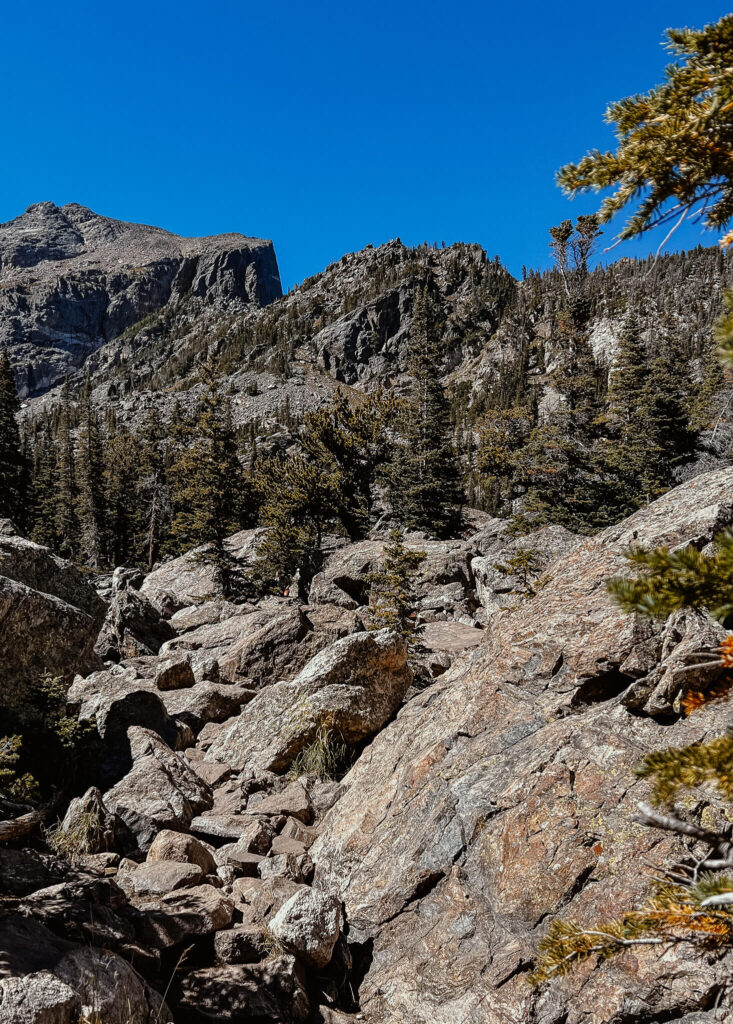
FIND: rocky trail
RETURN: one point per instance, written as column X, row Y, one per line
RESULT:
column 206, row 875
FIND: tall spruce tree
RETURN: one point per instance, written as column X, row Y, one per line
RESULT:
column 66, row 524
column 13, row 468
column 90, row 498
column 44, row 487
column 208, row 486
column 425, row 488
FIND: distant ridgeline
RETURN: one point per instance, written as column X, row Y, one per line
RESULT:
column 572, row 396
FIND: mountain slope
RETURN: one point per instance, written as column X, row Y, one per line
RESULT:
column 71, row 280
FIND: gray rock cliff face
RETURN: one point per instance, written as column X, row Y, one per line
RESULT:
column 71, row 280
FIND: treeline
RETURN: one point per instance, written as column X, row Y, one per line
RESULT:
column 555, row 438
column 103, row 495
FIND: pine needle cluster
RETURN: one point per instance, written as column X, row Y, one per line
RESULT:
column 674, row 142
column 673, row 914
column 686, row 578
column 688, row 767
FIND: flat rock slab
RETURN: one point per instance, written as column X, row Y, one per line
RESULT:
column 450, row 636
column 158, row 877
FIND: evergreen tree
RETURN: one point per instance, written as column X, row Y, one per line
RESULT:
column 392, row 595
column 502, row 435
column 671, row 439
column 350, row 442
column 707, row 400
column 299, row 498
column 208, row 489
column 425, row 479
column 121, row 496
column 674, row 142
column 153, row 498
column 90, row 479
column 13, row 468
column 66, row 526
column 44, row 488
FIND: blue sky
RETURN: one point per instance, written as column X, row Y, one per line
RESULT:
column 324, row 126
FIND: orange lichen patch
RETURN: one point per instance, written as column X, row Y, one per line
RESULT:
column 693, row 700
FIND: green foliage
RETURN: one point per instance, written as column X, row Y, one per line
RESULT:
column 392, row 596
column 13, row 467
column 674, row 142
column 524, row 567
column 327, row 757
column 14, row 786
column 679, row 579
column 50, row 754
column 676, row 767
column 673, row 914
column 425, row 478
column 724, row 330
column 208, row 490
column 328, row 484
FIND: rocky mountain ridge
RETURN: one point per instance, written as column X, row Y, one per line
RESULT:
column 71, row 281
column 482, row 802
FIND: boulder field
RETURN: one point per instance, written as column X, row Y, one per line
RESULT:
column 207, row 874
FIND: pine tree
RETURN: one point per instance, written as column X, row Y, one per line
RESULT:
column 44, row 488
column 707, row 401
column 121, row 495
column 13, row 468
column 66, row 526
column 350, row 442
column 208, row 488
column 153, row 497
column 299, row 498
column 674, row 142
column 392, row 595
column 90, row 504
column 425, row 486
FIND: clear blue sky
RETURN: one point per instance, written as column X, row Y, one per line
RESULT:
column 324, row 126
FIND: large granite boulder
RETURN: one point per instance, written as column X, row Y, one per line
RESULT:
column 38, row 568
column 161, row 791
column 116, row 699
column 499, row 587
column 308, row 925
column 49, row 617
column 271, row 992
column 443, row 584
column 132, row 627
column 354, row 686
column 191, row 579
column 503, row 796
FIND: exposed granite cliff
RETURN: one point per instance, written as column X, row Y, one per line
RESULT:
column 71, row 280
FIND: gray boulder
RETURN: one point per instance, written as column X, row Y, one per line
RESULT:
column 271, row 992
column 308, row 925
column 190, row 580
column 497, row 589
column 132, row 627
column 353, row 687
column 177, row 846
column 160, row 791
